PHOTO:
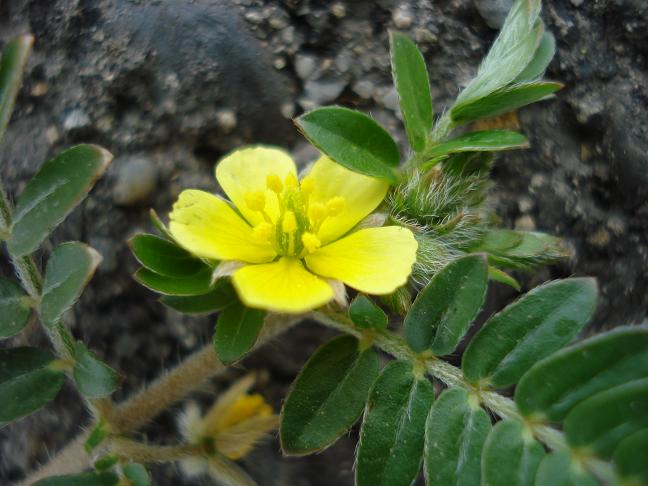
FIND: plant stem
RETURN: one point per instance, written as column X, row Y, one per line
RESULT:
column 450, row 375
column 145, row 453
column 154, row 399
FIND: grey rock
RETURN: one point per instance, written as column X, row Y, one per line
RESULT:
column 76, row 119
column 305, row 65
column 135, row 179
column 364, row 88
column 494, row 11
column 323, row 91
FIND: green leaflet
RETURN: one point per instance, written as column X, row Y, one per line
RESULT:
column 327, row 396
column 541, row 59
column 364, row 313
column 558, row 469
column 236, row 331
column 26, row 382
column 504, row 100
column 164, row 257
column 455, row 433
column 12, row 65
column 15, row 308
column 221, row 296
column 352, row 139
column 601, row 422
column 533, row 327
column 197, row 284
column 630, row 457
column 552, row 387
column 392, row 435
column 93, row 377
column 52, row 193
column 137, row 474
column 511, row 456
column 413, row 86
column 68, row 270
column 444, row 309
column 480, row 141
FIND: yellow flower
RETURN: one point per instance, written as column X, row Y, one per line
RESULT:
column 293, row 237
column 234, row 423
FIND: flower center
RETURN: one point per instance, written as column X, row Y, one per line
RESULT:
column 294, row 231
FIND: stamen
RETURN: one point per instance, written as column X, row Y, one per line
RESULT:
column 335, row 205
column 263, row 232
column 291, row 181
column 307, row 185
column 289, row 224
column 317, row 213
column 255, row 200
column 311, row 242
column 273, row 182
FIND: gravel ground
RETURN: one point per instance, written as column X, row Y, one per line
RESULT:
column 169, row 87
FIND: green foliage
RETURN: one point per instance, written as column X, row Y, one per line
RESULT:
column 52, row 193
column 96, row 437
column 601, row 422
column 364, row 313
column 552, row 387
column 68, row 270
column 15, row 308
column 27, row 382
column 222, row 295
column 481, row 141
column 327, row 396
column 559, row 469
column 164, row 257
column 504, row 100
column 455, row 433
column 353, row 140
column 521, row 250
column 510, row 54
column 533, row 327
column 236, row 331
column 93, row 377
column 197, row 284
column 105, row 478
column 443, row 310
column 511, row 455
column 391, row 439
column 630, row 457
column 136, row 474
column 411, row 80
column 541, row 59
column 12, row 65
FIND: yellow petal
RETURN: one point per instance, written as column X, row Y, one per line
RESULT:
column 372, row 260
column 282, row 286
column 208, row 227
column 246, row 171
column 360, row 194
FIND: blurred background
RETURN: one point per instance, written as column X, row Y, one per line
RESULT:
column 170, row 86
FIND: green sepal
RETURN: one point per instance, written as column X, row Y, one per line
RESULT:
column 237, row 329
column 366, row 314
column 164, row 257
column 221, row 296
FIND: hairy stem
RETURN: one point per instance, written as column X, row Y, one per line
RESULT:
column 450, row 375
column 145, row 405
column 145, row 453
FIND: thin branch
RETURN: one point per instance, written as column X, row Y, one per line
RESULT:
column 146, row 453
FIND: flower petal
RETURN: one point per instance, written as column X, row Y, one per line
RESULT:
column 246, row 170
column 207, row 226
column 282, row 286
column 362, row 194
column 372, row 260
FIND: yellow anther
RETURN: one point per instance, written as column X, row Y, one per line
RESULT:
column 307, row 185
column 255, row 200
column 289, row 224
column 311, row 242
column 291, row 181
column 263, row 231
column 335, row 205
column 317, row 213
column 273, row 182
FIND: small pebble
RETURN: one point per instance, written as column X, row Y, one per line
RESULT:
column 402, row 17
column 136, row 178
column 226, row 120
column 76, row 119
